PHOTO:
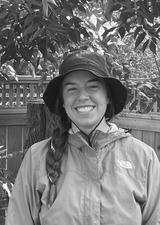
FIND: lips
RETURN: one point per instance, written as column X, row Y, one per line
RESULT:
column 87, row 108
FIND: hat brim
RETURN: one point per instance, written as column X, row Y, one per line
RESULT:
column 117, row 89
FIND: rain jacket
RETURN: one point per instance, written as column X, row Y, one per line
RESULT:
column 113, row 181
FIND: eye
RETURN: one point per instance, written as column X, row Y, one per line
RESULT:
column 71, row 89
column 93, row 86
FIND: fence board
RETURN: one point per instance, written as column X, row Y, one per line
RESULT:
column 11, row 94
column 24, row 136
column 148, row 122
column 3, row 143
column 24, row 94
column 157, row 143
column 149, row 138
column 18, row 96
column 13, row 117
column 137, row 134
column 14, row 145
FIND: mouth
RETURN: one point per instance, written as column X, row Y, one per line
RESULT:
column 87, row 108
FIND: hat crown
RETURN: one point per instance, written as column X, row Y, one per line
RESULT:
column 93, row 62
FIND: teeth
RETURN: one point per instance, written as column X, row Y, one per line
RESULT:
column 85, row 108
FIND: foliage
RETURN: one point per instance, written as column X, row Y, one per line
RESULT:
column 35, row 34
column 140, row 72
column 38, row 26
column 140, row 17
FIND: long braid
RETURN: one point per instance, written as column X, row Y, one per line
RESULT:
column 57, row 147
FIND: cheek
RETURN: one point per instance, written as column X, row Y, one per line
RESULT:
column 67, row 101
column 103, row 98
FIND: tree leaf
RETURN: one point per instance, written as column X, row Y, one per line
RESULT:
column 45, row 7
column 29, row 30
column 25, row 53
column 133, row 105
column 81, row 8
column 158, row 100
column 3, row 15
column 122, row 31
column 108, row 31
column 84, row 32
column 152, row 47
column 138, row 29
column 145, row 45
column 28, row 20
column 158, row 30
column 127, row 26
column 107, row 9
column 55, row 27
column 5, row 57
column 52, row 47
column 76, row 21
column 74, row 36
column 154, row 40
column 52, row 2
column 150, row 106
column 140, row 39
column 65, row 21
column 37, row 33
column 42, row 46
column 37, row 3
column 115, row 7
column 146, row 14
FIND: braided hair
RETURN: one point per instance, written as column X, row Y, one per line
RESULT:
column 57, row 147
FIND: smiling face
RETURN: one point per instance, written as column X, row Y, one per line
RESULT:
column 85, row 99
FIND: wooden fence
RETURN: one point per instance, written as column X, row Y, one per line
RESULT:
column 145, row 127
column 13, row 119
column 14, row 97
column 13, row 125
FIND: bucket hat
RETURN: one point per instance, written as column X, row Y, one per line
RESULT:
column 88, row 61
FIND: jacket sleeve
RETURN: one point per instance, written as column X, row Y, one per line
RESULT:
column 24, row 203
column 151, row 211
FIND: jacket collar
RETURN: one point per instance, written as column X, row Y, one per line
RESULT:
column 99, row 138
column 103, row 126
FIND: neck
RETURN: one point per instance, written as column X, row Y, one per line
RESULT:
column 102, row 126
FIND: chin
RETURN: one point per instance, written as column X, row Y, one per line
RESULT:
column 86, row 126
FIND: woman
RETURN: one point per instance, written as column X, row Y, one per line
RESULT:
column 89, row 171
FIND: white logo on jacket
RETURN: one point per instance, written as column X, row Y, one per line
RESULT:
column 125, row 164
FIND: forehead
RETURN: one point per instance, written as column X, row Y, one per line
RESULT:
column 80, row 76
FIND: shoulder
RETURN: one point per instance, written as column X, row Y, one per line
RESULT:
column 138, row 149
column 141, row 156
column 40, row 147
column 36, row 154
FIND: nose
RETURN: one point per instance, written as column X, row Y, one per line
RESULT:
column 83, row 95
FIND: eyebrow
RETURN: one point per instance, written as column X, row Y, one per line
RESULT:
column 68, row 83
column 74, row 83
column 94, row 80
